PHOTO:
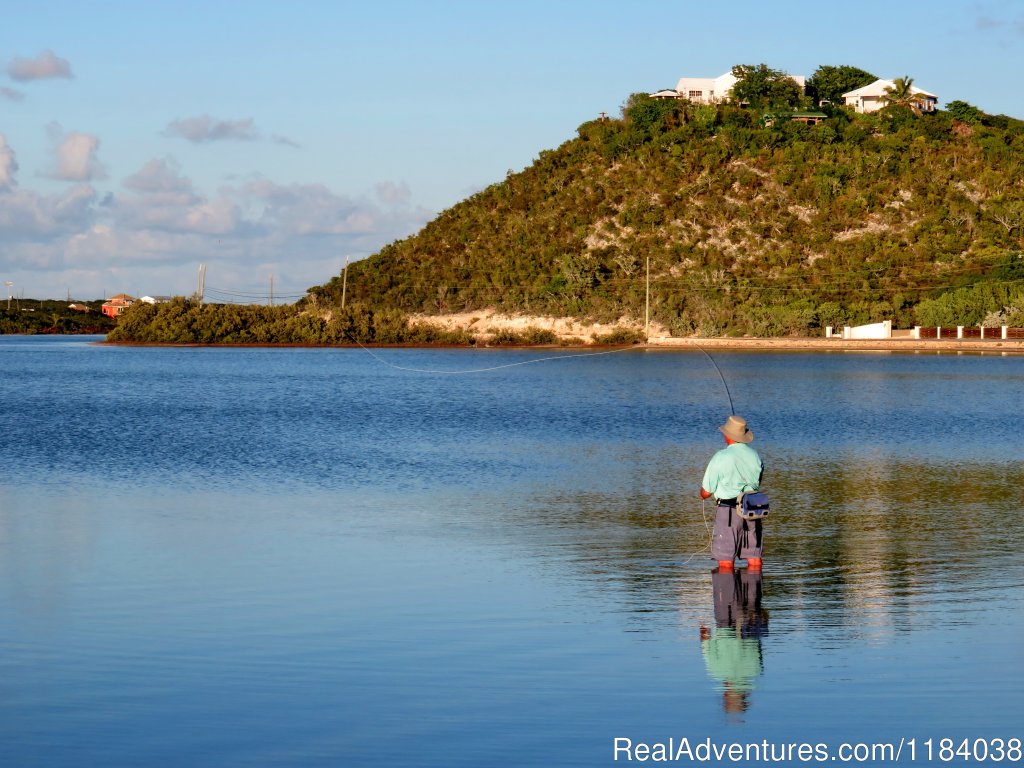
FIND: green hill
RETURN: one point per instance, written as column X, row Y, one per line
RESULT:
column 748, row 229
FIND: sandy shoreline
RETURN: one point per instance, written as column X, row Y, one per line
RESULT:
column 785, row 344
column 575, row 332
column 1015, row 346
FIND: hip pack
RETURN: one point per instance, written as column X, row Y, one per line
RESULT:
column 752, row 506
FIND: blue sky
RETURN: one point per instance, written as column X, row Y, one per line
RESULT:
column 139, row 140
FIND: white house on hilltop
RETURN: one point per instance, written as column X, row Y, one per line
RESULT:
column 871, row 97
column 709, row 90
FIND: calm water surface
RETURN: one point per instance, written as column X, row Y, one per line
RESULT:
column 221, row 557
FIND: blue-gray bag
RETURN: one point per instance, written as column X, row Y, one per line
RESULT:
column 753, row 506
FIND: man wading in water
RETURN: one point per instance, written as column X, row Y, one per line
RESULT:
column 732, row 472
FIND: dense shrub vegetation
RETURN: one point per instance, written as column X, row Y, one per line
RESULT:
column 185, row 321
column 35, row 317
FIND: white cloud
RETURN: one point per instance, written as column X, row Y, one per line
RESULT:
column 152, row 233
column 44, row 66
column 393, row 194
column 160, row 198
column 303, row 209
column 204, row 129
column 284, row 140
column 159, row 176
column 202, row 217
column 163, row 199
column 11, row 94
column 987, row 23
column 29, row 216
column 75, row 156
column 8, row 164
column 108, row 248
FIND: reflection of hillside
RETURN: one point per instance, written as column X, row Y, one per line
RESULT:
column 852, row 543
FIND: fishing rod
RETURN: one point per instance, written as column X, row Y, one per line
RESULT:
column 721, row 376
column 724, row 384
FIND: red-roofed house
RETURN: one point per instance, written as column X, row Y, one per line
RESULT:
column 117, row 304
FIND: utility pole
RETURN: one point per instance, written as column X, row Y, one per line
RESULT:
column 271, row 290
column 344, row 283
column 647, row 307
column 201, row 284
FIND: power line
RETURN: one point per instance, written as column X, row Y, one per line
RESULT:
column 832, row 278
column 681, row 284
column 258, row 296
column 792, row 285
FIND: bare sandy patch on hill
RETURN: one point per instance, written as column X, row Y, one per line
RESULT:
column 485, row 323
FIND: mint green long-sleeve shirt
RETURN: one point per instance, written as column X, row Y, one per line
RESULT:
column 733, row 470
column 732, row 659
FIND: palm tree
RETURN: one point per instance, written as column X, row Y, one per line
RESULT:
column 901, row 93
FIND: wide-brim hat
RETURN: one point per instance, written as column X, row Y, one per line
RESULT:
column 735, row 428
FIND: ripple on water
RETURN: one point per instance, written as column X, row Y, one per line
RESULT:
column 214, row 557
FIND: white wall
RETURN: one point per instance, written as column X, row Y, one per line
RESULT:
column 706, row 86
column 868, row 104
column 881, row 330
column 871, row 97
column 715, row 89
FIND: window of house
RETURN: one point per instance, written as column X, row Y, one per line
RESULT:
column 696, row 94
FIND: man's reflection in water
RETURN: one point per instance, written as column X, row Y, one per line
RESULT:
column 732, row 650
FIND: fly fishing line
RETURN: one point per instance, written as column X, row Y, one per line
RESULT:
column 487, row 369
column 442, row 371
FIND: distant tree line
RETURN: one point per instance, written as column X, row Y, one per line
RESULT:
column 187, row 322
column 32, row 316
